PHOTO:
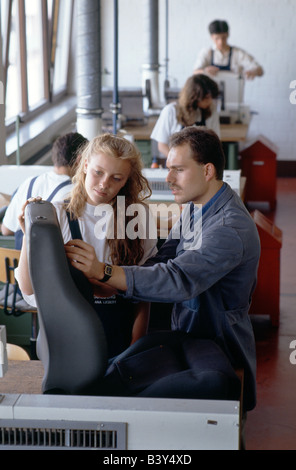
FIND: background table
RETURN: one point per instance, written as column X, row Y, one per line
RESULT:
column 22, row 377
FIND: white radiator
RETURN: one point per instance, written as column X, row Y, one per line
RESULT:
column 64, row 422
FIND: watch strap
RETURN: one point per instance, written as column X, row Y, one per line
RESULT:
column 107, row 273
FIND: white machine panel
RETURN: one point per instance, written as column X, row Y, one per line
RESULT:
column 149, row 423
column 3, row 352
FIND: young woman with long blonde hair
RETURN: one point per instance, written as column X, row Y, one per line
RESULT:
column 107, row 182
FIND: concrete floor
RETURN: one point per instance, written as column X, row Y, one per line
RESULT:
column 272, row 424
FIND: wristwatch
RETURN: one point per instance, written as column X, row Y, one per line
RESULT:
column 108, row 270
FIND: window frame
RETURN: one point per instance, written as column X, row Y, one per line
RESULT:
column 49, row 33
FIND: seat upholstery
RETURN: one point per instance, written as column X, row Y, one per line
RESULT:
column 71, row 342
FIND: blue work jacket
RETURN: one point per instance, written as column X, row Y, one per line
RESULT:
column 210, row 281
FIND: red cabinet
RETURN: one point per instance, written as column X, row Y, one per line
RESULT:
column 266, row 298
column 258, row 164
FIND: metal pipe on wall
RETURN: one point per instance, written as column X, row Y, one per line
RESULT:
column 150, row 68
column 88, row 54
column 167, row 40
column 115, row 105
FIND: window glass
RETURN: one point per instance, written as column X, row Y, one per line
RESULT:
column 34, row 42
column 49, row 9
column 63, row 36
column 3, row 14
column 13, row 91
column 36, row 36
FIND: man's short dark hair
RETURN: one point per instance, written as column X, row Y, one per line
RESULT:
column 205, row 146
column 218, row 27
column 66, row 148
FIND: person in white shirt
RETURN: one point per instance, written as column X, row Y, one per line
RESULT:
column 94, row 216
column 222, row 56
column 53, row 185
column 195, row 106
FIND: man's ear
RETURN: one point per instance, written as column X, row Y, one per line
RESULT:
column 210, row 171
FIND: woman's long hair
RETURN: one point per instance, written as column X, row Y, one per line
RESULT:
column 136, row 190
column 196, row 88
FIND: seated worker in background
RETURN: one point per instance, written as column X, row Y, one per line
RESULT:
column 195, row 106
column 110, row 166
column 210, row 278
column 225, row 57
column 53, row 185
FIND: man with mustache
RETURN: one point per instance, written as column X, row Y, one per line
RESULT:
column 210, row 278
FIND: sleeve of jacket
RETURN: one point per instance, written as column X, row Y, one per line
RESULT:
column 189, row 273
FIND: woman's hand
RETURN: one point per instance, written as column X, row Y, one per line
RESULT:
column 21, row 217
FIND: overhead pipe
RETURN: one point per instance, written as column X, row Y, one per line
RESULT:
column 166, row 81
column 167, row 40
column 115, row 105
column 150, row 68
column 88, row 49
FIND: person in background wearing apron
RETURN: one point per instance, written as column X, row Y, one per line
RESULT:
column 195, row 106
column 225, row 57
column 107, row 182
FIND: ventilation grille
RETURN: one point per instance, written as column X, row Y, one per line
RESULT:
column 62, row 435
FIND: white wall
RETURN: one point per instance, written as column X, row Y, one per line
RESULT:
column 265, row 28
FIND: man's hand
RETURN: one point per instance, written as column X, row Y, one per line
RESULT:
column 83, row 257
column 211, row 70
column 251, row 74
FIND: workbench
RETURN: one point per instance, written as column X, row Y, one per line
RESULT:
column 231, row 136
column 229, row 132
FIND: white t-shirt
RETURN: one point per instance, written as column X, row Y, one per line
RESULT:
column 93, row 226
column 240, row 61
column 43, row 186
column 167, row 123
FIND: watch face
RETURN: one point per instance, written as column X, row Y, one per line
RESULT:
column 108, row 270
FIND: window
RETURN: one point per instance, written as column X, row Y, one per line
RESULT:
column 36, row 42
column 11, row 64
column 62, row 48
column 36, row 53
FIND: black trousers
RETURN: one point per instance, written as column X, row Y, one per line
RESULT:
column 172, row 364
